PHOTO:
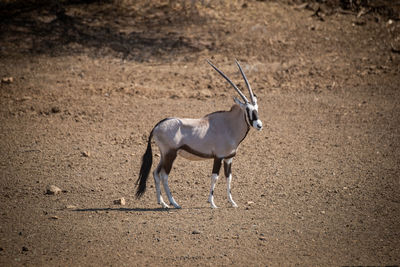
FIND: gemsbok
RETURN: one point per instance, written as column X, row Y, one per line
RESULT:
column 215, row 136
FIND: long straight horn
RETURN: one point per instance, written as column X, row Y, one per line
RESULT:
column 226, row 78
column 247, row 83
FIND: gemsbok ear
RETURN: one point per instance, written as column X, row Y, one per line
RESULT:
column 255, row 102
column 255, row 99
column 237, row 101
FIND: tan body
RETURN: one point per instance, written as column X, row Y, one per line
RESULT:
column 216, row 135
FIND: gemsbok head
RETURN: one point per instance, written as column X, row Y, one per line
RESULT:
column 215, row 136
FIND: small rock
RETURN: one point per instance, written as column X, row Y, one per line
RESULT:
column 55, row 110
column 302, row 6
column 25, row 249
column 174, row 96
column 7, row 80
column 206, row 93
column 120, row 201
column 262, row 238
column 54, row 217
column 86, row 154
column 196, row 232
column 52, row 190
column 26, row 98
column 250, row 202
column 70, row 207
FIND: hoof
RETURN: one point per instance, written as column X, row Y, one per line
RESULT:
column 176, row 206
column 164, row 205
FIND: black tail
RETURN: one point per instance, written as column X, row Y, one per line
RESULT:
column 147, row 161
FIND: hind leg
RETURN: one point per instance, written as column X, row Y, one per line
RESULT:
column 156, row 175
column 167, row 190
column 164, row 172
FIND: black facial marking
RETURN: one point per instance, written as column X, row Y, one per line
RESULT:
column 252, row 115
column 255, row 115
column 248, row 114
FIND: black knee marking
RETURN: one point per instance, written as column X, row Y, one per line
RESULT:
column 227, row 169
column 212, row 192
column 216, row 166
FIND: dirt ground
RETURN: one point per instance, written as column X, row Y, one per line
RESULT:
column 319, row 186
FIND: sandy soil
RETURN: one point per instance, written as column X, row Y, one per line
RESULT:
column 318, row 186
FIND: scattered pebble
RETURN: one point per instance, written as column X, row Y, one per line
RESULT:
column 25, row 249
column 7, row 80
column 55, row 110
column 250, row 202
column 26, row 98
column 52, row 190
column 54, row 217
column 174, row 96
column 70, row 207
column 86, row 154
column 205, row 93
column 120, row 201
column 196, row 232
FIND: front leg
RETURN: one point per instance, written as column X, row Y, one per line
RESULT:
column 228, row 175
column 214, row 179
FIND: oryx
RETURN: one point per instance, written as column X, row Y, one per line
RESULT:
column 215, row 136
